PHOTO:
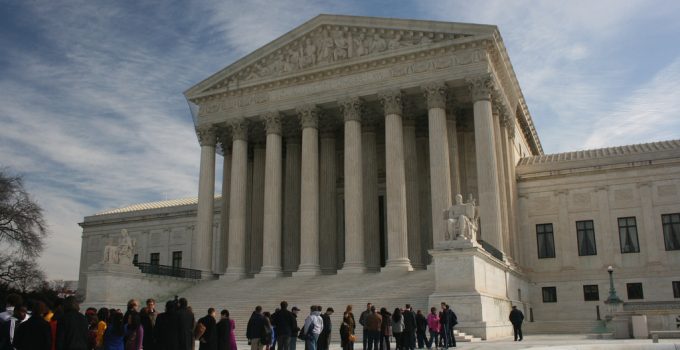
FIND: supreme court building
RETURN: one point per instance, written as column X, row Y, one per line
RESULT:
column 343, row 142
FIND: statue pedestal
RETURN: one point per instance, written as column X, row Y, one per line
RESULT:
column 477, row 286
column 112, row 285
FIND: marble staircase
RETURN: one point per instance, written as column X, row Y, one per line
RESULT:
column 383, row 289
column 561, row 327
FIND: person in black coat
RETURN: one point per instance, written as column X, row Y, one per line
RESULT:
column 167, row 329
column 409, row 328
column 71, row 327
column 516, row 318
column 255, row 328
column 186, row 325
column 148, row 317
column 32, row 334
column 324, row 340
column 421, row 328
column 285, row 324
column 223, row 330
column 208, row 341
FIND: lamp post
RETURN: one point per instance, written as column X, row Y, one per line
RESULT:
column 612, row 300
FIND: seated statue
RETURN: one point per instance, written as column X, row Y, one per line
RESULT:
column 461, row 220
column 122, row 253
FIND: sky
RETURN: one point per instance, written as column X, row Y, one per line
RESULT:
column 93, row 117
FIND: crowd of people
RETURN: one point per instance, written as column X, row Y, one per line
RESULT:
column 408, row 329
column 35, row 325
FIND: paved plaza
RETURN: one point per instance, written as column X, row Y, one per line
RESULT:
column 563, row 342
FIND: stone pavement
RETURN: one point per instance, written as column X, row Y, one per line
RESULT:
column 538, row 342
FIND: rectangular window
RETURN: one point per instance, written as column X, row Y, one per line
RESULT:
column 591, row 292
column 628, row 236
column 671, row 231
column 155, row 258
column 545, row 241
column 549, row 294
column 634, row 290
column 676, row 289
column 176, row 260
column 585, row 233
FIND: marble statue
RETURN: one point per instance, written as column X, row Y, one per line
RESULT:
column 122, row 253
column 461, row 219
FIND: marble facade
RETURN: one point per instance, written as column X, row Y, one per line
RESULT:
column 343, row 141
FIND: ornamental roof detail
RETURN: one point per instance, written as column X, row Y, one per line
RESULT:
column 599, row 153
column 152, row 205
column 327, row 40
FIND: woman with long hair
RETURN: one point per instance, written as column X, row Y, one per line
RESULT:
column 385, row 329
column 398, row 328
column 114, row 333
column 347, row 337
column 134, row 333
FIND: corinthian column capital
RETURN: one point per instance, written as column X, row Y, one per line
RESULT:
column 351, row 108
column 435, row 93
column 206, row 135
column 481, row 87
column 224, row 138
column 272, row 121
column 309, row 116
column 391, row 101
column 239, row 129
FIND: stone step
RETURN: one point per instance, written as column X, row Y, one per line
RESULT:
column 561, row 327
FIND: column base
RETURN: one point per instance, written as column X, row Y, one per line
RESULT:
column 234, row 274
column 307, row 270
column 397, row 265
column 350, row 268
column 269, row 272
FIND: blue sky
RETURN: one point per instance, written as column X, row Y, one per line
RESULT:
column 92, row 112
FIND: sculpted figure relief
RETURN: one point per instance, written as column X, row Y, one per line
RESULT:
column 462, row 220
column 328, row 45
column 122, row 253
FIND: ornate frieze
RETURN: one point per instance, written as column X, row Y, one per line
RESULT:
column 327, row 45
column 206, row 135
column 391, row 101
column 272, row 122
column 481, row 87
column 309, row 116
column 351, row 108
column 435, row 93
column 239, row 129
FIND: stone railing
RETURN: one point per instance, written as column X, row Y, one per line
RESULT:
column 165, row 270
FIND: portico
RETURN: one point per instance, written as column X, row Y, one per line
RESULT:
column 339, row 102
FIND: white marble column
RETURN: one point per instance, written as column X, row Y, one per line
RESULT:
column 496, row 115
column 225, row 141
column 203, row 237
column 309, row 190
column 327, row 201
column 257, row 207
column 291, row 209
column 395, row 183
column 370, row 193
column 487, row 168
column 236, row 267
column 440, row 172
column 452, row 130
column 507, row 136
column 354, row 206
column 424, row 188
column 273, row 193
column 412, row 192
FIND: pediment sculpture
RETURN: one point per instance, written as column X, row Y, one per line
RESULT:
column 329, row 44
column 462, row 220
column 122, row 253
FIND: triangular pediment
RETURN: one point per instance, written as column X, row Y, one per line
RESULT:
column 330, row 40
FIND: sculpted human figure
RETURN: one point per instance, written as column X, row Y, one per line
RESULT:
column 341, row 46
column 309, row 57
column 360, row 45
column 122, row 253
column 461, row 220
column 325, row 52
column 379, row 44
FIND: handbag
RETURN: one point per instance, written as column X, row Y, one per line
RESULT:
column 352, row 338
